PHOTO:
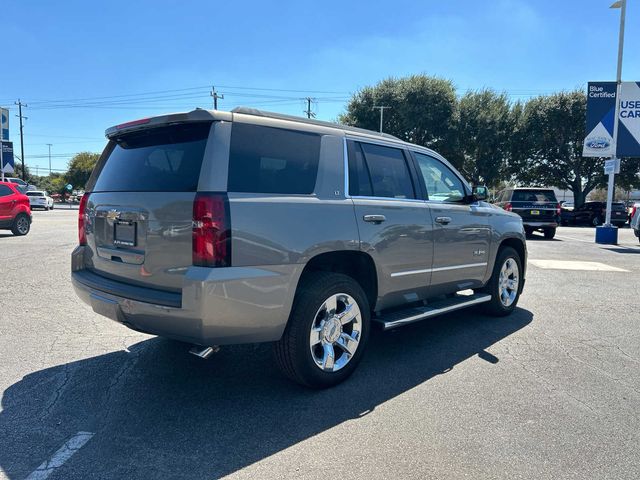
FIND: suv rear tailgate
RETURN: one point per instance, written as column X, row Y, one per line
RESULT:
column 138, row 217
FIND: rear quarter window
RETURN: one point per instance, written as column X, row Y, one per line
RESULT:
column 272, row 160
column 162, row 159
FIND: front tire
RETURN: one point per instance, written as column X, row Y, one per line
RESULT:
column 327, row 331
column 505, row 284
column 21, row 225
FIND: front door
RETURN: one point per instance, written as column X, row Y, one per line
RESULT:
column 394, row 225
column 461, row 231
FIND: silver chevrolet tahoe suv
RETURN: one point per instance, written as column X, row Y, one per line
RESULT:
column 214, row 228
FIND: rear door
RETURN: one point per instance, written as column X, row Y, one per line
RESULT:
column 140, row 206
column 7, row 202
column 394, row 224
column 461, row 230
column 535, row 205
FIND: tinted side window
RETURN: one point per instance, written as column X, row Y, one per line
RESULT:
column 389, row 173
column 272, row 160
column 359, row 178
column 4, row 191
column 442, row 184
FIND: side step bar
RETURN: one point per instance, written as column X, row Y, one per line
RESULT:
column 410, row 315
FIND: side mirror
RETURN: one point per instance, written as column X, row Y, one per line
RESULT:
column 481, row 193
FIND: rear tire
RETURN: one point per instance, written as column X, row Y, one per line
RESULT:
column 21, row 225
column 505, row 284
column 549, row 233
column 314, row 319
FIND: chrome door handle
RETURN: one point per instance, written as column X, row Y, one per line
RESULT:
column 374, row 218
column 443, row 220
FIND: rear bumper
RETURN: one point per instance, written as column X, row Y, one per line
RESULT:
column 541, row 224
column 216, row 306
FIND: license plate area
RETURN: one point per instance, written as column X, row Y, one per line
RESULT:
column 535, row 212
column 124, row 233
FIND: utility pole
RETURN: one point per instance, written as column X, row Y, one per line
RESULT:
column 215, row 96
column 49, row 145
column 24, row 167
column 381, row 114
column 310, row 114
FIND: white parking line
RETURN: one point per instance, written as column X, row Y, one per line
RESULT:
column 575, row 265
column 58, row 459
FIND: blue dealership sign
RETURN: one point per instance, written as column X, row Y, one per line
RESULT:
column 8, row 164
column 4, row 124
column 601, row 104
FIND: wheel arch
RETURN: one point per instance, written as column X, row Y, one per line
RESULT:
column 353, row 263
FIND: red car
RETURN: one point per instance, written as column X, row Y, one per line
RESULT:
column 15, row 212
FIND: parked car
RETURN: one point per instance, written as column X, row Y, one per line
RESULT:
column 635, row 223
column 538, row 207
column 632, row 208
column 15, row 212
column 594, row 214
column 26, row 187
column 248, row 226
column 40, row 199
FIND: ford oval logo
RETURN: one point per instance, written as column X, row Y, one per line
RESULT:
column 598, row 142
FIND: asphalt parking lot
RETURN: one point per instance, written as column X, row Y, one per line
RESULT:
column 551, row 392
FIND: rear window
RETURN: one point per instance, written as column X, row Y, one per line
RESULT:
column 35, row 194
column 533, row 196
column 618, row 206
column 163, row 159
column 272, row 160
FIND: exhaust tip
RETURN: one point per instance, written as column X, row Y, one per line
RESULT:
column 204, row 352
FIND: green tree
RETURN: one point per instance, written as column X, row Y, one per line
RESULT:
column 54, row 183
column 423, row 111
column 547, row 147
column 80, row 168
column 484, row 131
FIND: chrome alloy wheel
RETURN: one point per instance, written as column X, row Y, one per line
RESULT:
column 508, row 282
column 335, row 332
column 23, row 225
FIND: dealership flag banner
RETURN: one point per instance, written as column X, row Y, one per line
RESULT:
column 601, row 103
column 7, row 157
column 4, row 124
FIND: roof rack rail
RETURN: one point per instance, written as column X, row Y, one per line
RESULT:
column 282, row 116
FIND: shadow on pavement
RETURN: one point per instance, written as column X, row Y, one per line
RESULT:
column 623, row 250
column 158, row 412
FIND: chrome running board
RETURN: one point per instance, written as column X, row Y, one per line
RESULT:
column 410, row 315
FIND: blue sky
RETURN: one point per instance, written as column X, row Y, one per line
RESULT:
column 58, row 56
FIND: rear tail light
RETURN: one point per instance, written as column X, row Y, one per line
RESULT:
column 508, row 207
column 558, row 209
column 211, row 245
column 633, row 212
column 82, row 220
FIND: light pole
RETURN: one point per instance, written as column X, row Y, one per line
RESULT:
column 49, row 145
column 622, row 5
column 381, row 114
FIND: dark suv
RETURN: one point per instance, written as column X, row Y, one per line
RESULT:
column 538, row 208
column 594, row 214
